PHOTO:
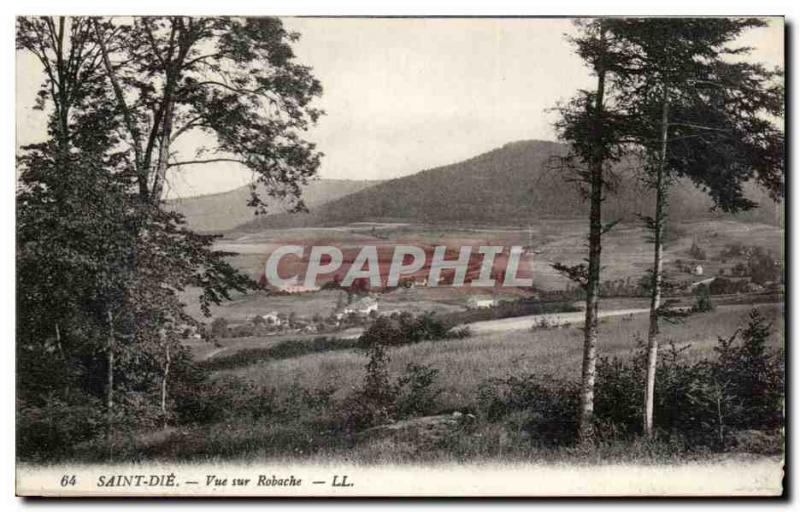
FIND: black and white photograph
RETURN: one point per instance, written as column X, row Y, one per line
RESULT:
column 364, row 256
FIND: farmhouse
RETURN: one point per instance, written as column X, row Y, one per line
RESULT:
column 272, row 318
column 298, row 288
column 363, row 306
column 478, row 302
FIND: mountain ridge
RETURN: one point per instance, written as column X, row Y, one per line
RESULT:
column 515, row 183
column 222, row 211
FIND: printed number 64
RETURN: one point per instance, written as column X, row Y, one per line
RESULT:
column 68, row 480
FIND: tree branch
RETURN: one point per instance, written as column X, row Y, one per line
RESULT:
column 209, row 161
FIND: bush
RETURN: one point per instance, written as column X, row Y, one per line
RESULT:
column 722, row 286
column 696, row 252
column 219, row 327
column 381, row 400
column 549, row 407
column 49, row 431
column 416, row 391
column 704, row 402
column 406, row 329
column 702, row 300
column 212, row 401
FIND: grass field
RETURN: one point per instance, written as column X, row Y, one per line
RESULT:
column 465, row 363
column 315, row 388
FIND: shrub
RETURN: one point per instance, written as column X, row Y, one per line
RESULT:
column 754, row 374
column 49, row 431
column 406, row 329
column 696, row 252
column 702, row 402
column 381, row 400
column 416, row 391
column 219, row 327
column 702, row 300
column 550, row 406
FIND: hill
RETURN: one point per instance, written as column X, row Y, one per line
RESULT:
column 517, row 183
column 226, row 210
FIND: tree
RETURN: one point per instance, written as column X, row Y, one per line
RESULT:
column 234, row 80
column 592, row 129
column 696, row 113
column 72, row 218
column 101, row 261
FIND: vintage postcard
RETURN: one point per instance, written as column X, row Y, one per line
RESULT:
column 348, row 257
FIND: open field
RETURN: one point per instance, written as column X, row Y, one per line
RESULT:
column 297, row 404
column 626, row 255
column 465, row 363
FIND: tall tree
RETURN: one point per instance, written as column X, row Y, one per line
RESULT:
column 697, row 112
column 71, row 213
column 592, row 130
column 101, row 261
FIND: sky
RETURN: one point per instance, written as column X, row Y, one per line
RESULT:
column 406, row 94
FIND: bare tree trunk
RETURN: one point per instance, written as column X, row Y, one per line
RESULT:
column 110, row 387
column 58, row 342
column 658, row 263
column 164, row 382
column 163, row 150
column 586, row 418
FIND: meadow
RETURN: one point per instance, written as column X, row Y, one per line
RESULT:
column 466, row 363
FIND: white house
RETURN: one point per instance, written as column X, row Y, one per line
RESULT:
column 698, row 270
column 363, row 306
column 272, row 318
column 481, row 302
column 298, row 288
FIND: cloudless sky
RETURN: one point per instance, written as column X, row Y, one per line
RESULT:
column 407, row 94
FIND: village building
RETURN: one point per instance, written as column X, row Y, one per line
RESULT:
column 272, row 318
column 478, row 302
column 363, row 306
column 298, row 288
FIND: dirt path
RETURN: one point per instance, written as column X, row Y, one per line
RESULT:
column 525, row 322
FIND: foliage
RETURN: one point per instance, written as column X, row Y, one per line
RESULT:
column 702, row 300
column 282, row 350
column 702, row 402
column 549, row 406
column 696, row 252
column 407, row 329
column 101, row 262
column 417, row 394
column 382, row 400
